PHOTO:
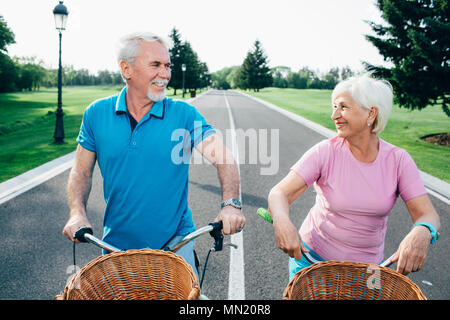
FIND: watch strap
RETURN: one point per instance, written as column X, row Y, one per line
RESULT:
column 434, row 233
column 232, row 202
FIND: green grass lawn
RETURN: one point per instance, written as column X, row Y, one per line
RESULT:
column 404, row 129
column 28, row 122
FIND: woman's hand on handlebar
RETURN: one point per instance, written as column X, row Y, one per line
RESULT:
column 412, row 251
column 75, row 223
column 288, row 239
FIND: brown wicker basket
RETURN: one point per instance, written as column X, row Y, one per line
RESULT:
column 344, row 280
column 143, row 274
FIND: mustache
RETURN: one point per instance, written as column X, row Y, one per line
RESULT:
column 163, row 82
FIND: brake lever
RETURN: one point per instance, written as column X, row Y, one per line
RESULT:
column 216, row 233
column 229, row 244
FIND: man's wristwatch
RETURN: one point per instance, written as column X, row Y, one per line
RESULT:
column 232, row 202
column 434, row 233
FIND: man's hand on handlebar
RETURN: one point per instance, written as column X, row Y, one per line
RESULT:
column 75, row 223
column 232, row 218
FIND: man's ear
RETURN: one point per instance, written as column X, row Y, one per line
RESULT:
column 126, row 69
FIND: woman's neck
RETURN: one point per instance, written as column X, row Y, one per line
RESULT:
column 364, row 148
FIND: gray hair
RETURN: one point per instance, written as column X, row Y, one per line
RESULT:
column 369, row 92
column 128, row 47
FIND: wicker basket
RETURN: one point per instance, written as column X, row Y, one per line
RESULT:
column 344, row 280
column 143, row 274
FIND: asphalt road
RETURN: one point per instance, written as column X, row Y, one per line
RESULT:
column 35, row 257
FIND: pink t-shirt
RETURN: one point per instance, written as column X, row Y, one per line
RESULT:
column 353, row 201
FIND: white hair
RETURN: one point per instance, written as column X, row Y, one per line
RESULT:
column 369, row 92
column 128, row 47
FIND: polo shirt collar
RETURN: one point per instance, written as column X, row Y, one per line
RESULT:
column 157, row 109
column 121, row 103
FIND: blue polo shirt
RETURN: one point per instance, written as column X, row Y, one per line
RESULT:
column 145, row 171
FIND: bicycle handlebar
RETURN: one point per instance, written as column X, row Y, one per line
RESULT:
column 86, row 235
column 215, row 229
column 263, row 213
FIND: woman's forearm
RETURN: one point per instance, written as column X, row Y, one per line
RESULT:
column 421, row 210
column 278, row 204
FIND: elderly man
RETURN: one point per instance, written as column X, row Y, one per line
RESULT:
column 131, row 136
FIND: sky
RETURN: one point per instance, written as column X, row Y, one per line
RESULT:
column 319, row 34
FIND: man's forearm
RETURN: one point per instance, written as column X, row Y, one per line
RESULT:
column 78, row 189
column 213, row 149
column 229, row 180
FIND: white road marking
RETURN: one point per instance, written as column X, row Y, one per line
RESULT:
column 30, row 179
column 236, row 280
column 437, row 195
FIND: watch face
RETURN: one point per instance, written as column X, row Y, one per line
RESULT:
column 236, row 202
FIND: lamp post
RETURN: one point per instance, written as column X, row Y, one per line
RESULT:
column 60, row 12
column 183, row 68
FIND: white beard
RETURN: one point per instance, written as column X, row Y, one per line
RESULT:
column 156, row 97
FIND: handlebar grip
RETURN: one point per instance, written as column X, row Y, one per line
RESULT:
column 216, row 233
column 263, row 213
column 217, row 226
column 79, row 235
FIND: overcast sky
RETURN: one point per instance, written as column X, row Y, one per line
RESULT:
column 319, row 34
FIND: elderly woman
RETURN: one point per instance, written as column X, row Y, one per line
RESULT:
column 357, row 177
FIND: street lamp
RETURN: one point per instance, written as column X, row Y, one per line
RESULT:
column 183, row 68
column 60, row 12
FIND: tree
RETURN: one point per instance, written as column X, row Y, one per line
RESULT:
column 6, row 36
column 31, row 73
column 31, row 76
column 331, row 78
column 176, row 59
column 104, row 77
column 220, row 78
column 196, row 75
column 8, row 73
column 8, row 69
column 255, row 73
column 279, row 75
column 346, row 72
column 232, row 76
column 193, row 69
column 294, row 80
column 416, row 40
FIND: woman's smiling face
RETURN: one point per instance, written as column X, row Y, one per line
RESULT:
column 349, row 117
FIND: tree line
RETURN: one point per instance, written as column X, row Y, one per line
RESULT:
column 254, row 74
column 414, row 39
column 30, row 73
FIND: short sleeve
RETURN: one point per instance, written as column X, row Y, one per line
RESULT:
column 309, row 166
column 86, row 136
column 199, row 129
column 410, row 184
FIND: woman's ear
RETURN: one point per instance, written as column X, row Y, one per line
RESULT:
column 373, row 114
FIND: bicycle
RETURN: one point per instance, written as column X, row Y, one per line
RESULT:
column 141, row 274
column 348, row 280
